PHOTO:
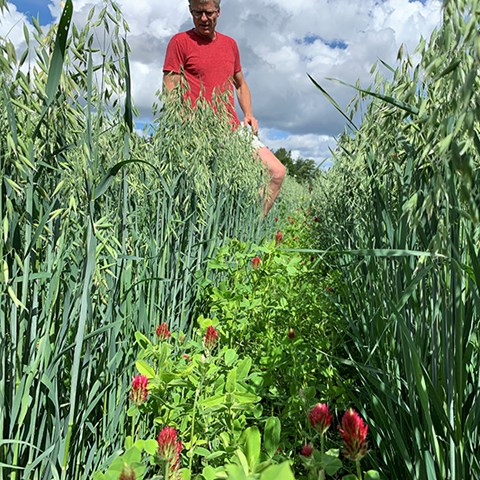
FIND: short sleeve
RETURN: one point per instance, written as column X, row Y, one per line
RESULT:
column 174, row 56
column 237, row 67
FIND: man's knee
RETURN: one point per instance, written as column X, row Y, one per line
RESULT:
column 279, row 172
column 275, row 167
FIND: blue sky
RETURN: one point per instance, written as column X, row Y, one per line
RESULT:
column 34, row 8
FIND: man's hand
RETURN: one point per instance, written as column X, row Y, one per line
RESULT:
column 252, row 121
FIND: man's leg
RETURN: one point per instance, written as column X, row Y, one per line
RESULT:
column 277, row 171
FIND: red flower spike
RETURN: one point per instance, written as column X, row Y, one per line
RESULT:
column 169, row 448
column 256, row 263
column 306, row 450
column 139, row 392
column 354, row 434
column 320, row 418
column 278, row 237
column 127, row 473
column 210, row 339
column 163, row 332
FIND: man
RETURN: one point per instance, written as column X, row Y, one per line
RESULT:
column 210, row 61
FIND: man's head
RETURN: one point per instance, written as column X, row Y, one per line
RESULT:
column 216, row 2
column 205, row 14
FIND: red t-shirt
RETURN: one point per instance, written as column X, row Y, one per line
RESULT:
column 208, row 65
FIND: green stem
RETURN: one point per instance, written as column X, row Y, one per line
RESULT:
column 192, row 430
column 133, row 427
column 321, row 473
column 167, row 470
column 359, row 470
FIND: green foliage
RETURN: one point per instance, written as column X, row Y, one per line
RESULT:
column 209, row 395
column 130, row 461
column 102, row 233
column 399, row 213
column 281, row 315
column 274, row 359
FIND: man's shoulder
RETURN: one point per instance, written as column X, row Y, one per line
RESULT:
column 181, row 36
column 225, row 38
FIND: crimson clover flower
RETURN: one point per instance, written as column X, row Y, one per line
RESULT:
column 307, row 450
column 139, row 392
column 354, row 434
column 278, row 237
column 127, row 473
column 169, row 448
column 162, row 331
column 320, row 418
column 256, row 262
column 210, row 339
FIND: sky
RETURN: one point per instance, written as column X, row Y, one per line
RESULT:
column 280, row 42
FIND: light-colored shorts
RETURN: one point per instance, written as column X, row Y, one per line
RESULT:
column 247, row 130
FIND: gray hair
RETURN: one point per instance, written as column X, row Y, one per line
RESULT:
column 217, row 3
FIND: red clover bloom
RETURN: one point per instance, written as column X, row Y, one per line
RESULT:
column 169, row 448
column 139, row 392
column 354, row 434
column 306, row 450
column 278, row 237
column 256, row 263
column 210, row 339
column 162, row 331
column 127, row 473
column 320, row 418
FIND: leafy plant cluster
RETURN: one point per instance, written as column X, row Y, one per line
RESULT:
column 241, row 408
column 399, row 214
column 102, row 232
column 280, row 313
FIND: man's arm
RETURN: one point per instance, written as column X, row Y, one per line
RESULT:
column 245, row 101
column 170, row 79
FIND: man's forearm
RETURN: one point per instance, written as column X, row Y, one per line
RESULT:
column 245, row 100
column 170, row 80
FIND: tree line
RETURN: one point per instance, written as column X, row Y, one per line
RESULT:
column 304, row 170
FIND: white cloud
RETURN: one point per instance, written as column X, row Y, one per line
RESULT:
column 280, row 42
column 11, row 26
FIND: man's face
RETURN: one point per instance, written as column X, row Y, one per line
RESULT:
column 205, row 17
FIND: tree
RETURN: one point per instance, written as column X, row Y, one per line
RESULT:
column 304, row 170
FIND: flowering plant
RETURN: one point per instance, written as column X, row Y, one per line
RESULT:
column 169, row 449
column 162, row 332
column 138, row 391
column 354, row 433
